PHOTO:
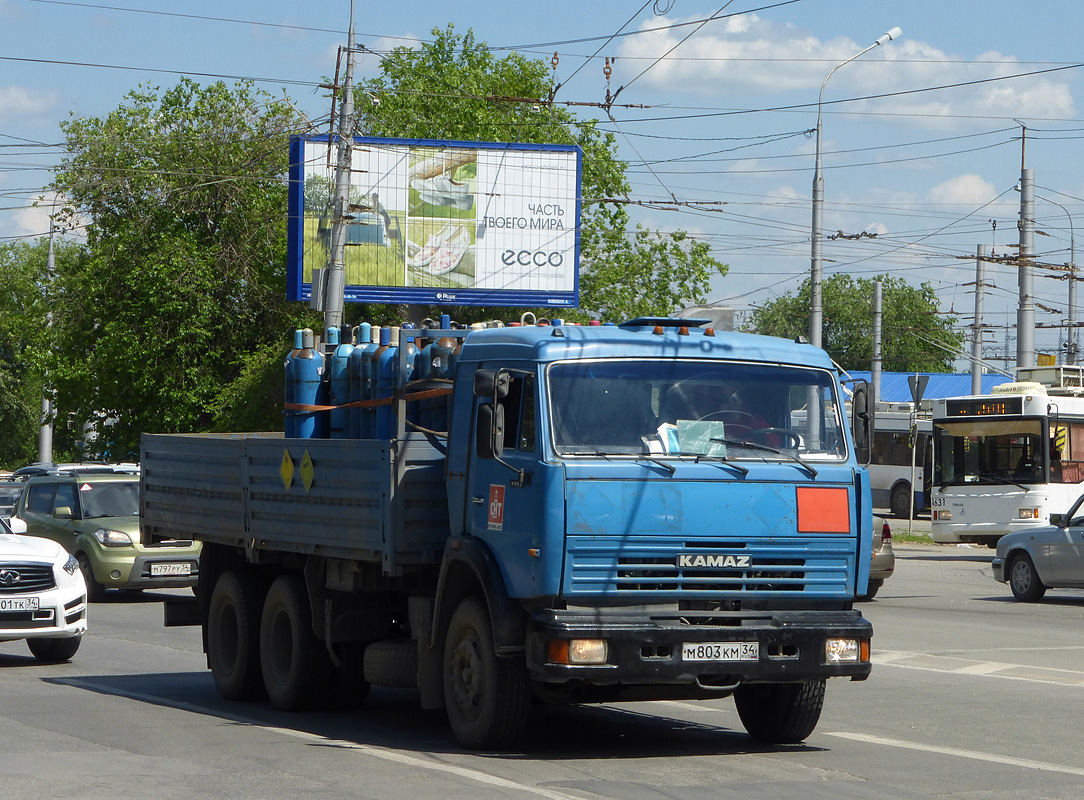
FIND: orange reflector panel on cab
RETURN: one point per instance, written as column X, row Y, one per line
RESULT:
column 823, row 510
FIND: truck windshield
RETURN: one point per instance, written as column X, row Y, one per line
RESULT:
column 678, row 408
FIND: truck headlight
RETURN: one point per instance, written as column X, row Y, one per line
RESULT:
column 111, row 538
column 1028, row 513
column 577, row 651
column 837, row 651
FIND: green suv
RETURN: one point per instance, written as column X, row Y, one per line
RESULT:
column 95, row 516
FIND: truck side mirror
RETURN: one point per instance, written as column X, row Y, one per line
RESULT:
column 491, row 384
column 490, row 433
column 862, row 417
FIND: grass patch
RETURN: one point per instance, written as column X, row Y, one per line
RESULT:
column 917, row 538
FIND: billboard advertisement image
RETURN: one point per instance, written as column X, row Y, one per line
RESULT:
column 440, row 222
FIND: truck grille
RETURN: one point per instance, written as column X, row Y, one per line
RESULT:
column 656, row 566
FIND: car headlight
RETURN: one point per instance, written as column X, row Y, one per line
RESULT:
column 71, row 566
column 111, row 538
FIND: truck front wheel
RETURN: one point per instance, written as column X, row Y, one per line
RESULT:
column 780, row 713
column 488, row 697
column 296, row 668
column 233, row 635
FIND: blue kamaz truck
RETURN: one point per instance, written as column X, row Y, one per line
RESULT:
column 569, row 514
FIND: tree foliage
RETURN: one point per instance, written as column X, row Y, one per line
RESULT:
column 455, row 88
column 914, row 336
column 183, row 284
column 24, row 343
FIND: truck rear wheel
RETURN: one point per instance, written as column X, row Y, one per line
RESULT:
column 488, row 698
column 296, row 668
column 233, row 635
column 780, row 713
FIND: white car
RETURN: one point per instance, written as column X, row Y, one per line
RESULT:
column 43, row 597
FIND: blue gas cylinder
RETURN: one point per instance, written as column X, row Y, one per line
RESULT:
column 340, row 386
column 371, row 367
column 407, row 341
column 308, row 370
column 387, row 363
column 289, row 388
column 353, row 379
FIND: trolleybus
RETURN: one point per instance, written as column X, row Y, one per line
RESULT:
column 1007, row 460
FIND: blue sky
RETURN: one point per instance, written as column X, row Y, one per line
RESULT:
column 723, row 129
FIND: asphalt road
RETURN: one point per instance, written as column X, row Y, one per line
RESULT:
column 973, row 697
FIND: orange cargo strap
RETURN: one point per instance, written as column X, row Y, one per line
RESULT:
column 410, row 397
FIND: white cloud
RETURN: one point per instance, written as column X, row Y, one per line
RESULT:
column 22, row 103
column 963, row 190
column 760, row 59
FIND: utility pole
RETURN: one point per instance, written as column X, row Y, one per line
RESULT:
column 976, row 328
column 877, row 354
column 45, row 431
column 333, row 286
column 1025, row 315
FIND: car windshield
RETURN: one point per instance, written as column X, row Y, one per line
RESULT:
column 671, row 407
column 109, row 499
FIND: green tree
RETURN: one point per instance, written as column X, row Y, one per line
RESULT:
column 24, row 344
column 168, row 324
column 914, row 336
column 449, row 89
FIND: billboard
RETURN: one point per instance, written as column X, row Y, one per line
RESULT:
column 440, row 222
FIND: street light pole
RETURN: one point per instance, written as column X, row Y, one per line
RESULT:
column 816, row 309
column 1070, row 345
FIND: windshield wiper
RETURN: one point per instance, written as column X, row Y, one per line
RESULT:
column 758, row 446
column 998, row 480
column 668, row 467
column 722, row 460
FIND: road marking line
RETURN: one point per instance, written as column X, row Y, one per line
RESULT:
column 957, row 665
column 383, row 753
column 974, row 755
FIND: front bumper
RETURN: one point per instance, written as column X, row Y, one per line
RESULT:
column 121, row 569
column 61, row 613
column 998, row 566
column 645, row 648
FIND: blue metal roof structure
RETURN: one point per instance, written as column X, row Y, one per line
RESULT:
column 895, row 389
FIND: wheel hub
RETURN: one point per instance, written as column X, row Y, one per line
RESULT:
column 468, row 674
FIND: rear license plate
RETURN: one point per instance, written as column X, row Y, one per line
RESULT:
column 19, row 604
column 720, row 651
column 159, row 570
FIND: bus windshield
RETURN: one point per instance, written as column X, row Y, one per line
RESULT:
column 669, row 407
column 991, row 451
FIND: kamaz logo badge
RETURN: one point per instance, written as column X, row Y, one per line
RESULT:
column 718, row 562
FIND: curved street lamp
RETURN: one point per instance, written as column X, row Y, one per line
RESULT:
column 1070, row 344
column 816, row 310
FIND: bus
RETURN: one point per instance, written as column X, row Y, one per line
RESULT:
column 1007, row 460
column 890, row 459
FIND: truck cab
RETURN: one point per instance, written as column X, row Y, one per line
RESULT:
column 671, row 511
